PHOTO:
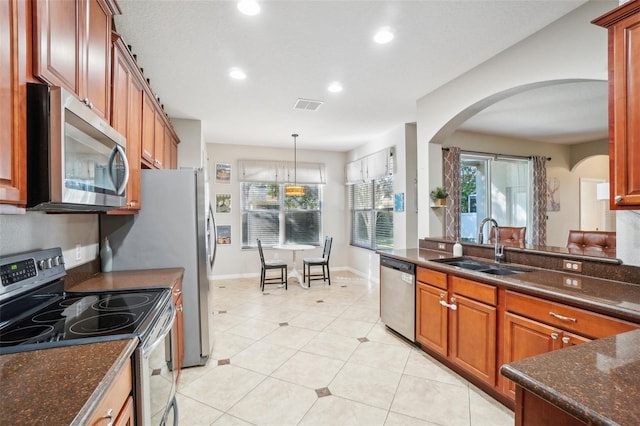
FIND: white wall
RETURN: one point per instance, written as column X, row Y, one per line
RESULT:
column 570, row 48
column 191, row 146
column 37, row 230
column 232, row 260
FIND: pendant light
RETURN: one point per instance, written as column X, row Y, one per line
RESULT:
column 294, row 190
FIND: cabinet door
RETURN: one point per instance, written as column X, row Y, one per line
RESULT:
column 473, row 337
column 57, row 43
column 158, row 150
column 174, row 153
column 570, row 339
column 127, row 414
column 148, row 129
column 13, row 166
column 524, row 338
column 431, row 318
column 96, row 56
column 168, row 141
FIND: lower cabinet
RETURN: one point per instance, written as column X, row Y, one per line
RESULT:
column 177, row 334
column 457, row 318
column 116, row 407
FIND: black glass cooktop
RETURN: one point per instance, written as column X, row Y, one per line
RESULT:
column 68, row 317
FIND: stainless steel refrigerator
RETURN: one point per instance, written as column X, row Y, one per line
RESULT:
column 174, row 228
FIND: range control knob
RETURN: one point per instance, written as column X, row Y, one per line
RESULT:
column 56, row 260
column 41, row 264
column 49, row 263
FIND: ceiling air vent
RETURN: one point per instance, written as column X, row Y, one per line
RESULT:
column 307, row 104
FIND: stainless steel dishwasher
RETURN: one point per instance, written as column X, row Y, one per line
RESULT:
column 398, row 296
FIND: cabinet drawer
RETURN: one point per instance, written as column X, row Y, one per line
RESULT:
column 473, row 290
column 115, row 398
column 568, row 318
column 438, row 279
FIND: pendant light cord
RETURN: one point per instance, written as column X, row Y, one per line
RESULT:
column 295, row 160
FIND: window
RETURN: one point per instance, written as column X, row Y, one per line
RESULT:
column 493, row 187
column 274, row 218
column 372, row 213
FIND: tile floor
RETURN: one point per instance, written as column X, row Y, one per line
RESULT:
column 320, row 356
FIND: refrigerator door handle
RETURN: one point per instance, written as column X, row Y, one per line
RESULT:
column 211, row 237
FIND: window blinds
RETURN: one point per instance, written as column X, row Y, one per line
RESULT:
column 272, row 171
column 374, row 166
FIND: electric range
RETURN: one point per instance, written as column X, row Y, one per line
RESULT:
column 37, row 313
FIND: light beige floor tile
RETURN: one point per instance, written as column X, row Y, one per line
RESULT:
column 290, row 337
column 226, row 345
column 194, row 413
column 249, row 310
column 253, row 329
column 423, row 366
column 396, row 419
column 380, row 355
column 306, row 369
column 263, row 357
column 486, row 411
column 335, row 411
column 188, row 375
column 275, row 402
column 312, row 321
column 360, row 313
column 364, row 384
column 223, row 322
column 349, row 328
column 380, row 333
column 278, row 314
column 227, row 420
column 222, row 387
column 332, row 345
column 432, row 401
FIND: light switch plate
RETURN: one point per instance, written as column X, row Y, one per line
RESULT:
column 441, row 246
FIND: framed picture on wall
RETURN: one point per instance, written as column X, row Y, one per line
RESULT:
column 398, row 205
column 223, row 203
column 223, row 233
column 223, row 173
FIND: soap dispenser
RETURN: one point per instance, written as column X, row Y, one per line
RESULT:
column 106, row 256
column 457, row 248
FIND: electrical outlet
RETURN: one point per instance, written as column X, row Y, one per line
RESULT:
column 572, row 265
column 441, row 246
column 78, row 252
column 572, row 282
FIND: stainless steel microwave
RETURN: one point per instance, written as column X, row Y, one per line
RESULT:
column 75, row 160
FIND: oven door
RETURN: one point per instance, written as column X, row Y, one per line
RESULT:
column 156, row 381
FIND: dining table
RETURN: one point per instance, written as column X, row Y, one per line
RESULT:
column 294, row 248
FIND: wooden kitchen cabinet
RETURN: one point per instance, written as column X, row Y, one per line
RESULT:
column 117, row 404
column 177, row 336
column 623, row 24
column 473, row 327
column 126, row 117
column 533, row 326
column 72, row 48
column 159, row 141
column 457, row 318
column 13, row 144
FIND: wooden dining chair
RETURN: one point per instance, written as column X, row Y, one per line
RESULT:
column 271, row 264
column 323, row 261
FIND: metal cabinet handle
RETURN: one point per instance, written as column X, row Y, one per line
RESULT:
column 562, row 317
column 554, row 336
column 451, row 305
column 566, row 339
column 179, row 308
column 618, row 198
column 177, row 292
column 109, row 416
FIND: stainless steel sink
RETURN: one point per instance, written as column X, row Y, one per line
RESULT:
column 474, row 265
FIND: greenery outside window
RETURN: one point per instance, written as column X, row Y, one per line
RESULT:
column 274, row 218
column 371, row 205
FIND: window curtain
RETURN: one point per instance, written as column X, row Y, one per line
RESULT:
column 451, row 170
column 539, row 213
column 373, row 166
column 281, row 172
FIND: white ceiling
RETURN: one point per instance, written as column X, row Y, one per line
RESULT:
column 294, row 49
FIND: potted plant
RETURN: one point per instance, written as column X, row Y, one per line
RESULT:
column 439, row 195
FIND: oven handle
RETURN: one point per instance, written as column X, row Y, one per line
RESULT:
column 118, row 150
column 165, row 330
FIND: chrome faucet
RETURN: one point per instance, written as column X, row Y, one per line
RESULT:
column 499, row 249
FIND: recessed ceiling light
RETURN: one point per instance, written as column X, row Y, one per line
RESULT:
column 383, row 36
column 249, row 7
column 335, row 87
column 237, row 74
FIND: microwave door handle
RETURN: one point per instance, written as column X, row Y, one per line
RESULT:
column 118, row 149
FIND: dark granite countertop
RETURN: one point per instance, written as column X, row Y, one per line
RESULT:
column 596, row 382
column 614, row 298
column 59, row 386
column 62, row 386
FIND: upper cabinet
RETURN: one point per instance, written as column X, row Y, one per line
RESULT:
column 72, row 48
column 13, row 42
column 623, row 24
